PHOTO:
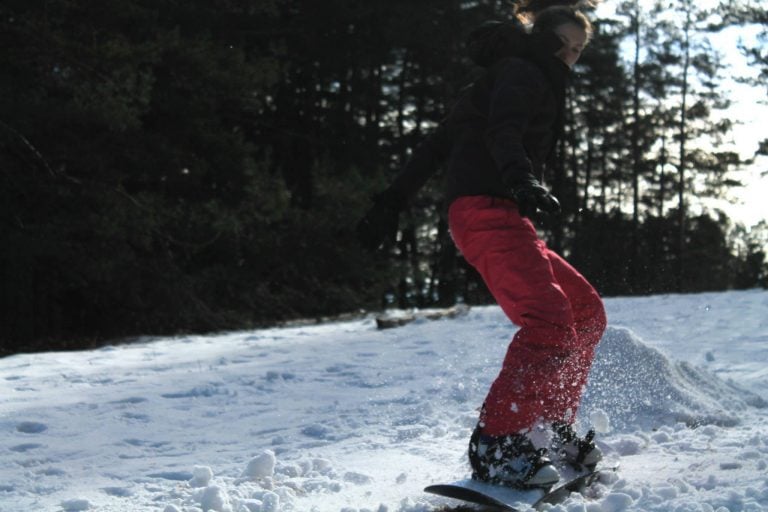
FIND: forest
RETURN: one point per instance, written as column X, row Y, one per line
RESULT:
column 190, row 167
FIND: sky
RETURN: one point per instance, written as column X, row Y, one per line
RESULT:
column 749, row 109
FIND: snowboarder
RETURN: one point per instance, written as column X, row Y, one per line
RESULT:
column 494, row 147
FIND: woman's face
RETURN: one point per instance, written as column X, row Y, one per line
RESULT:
column 574, row 40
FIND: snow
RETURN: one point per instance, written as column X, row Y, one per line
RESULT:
column 262, row 466
column 342, row 417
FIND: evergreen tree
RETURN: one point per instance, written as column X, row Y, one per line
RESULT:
column 184, row 167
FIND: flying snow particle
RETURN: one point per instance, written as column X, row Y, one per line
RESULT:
column 600, row 421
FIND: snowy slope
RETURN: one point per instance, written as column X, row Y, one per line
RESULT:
column 342, row 417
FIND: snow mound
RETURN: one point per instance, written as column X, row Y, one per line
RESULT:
column 639, row 387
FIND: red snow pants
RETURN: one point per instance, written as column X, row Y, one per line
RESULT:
column 561, row 316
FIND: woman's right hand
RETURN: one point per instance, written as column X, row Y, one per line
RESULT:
column 530, row 195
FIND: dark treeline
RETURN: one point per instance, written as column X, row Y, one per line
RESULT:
column 170, row 167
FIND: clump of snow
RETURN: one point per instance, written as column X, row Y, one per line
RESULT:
column 616, row 502
column 261, row 466
column 270, row 502
column 215, row 498
column 201, row 476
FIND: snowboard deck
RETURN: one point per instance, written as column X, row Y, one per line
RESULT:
column 508, row 499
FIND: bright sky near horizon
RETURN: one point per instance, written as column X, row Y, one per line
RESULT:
column 748, row 110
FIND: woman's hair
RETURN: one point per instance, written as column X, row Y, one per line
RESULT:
column 494, row 40
column 549, row 14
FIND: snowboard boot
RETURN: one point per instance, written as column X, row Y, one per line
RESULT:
column 510, row 460
column 580, row 452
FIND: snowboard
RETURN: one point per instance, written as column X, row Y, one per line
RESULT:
column 508, row 499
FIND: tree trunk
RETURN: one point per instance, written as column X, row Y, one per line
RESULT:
column 636, row 163
column 683, row 157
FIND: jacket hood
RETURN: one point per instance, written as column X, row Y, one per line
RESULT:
column 496, row 40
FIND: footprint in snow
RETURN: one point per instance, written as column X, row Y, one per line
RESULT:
column 144, row 418
column 141, row 443
column 52, row 472
column 21, row 448
column 205, row 391
column 174, row 476
column 118, row 492
column 31, row 427
column 273, row 376
column 131, row 400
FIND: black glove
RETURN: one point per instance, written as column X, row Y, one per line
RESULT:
column 379, row 225
column 530, row 195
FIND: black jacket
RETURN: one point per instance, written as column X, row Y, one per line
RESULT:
column 502, row 129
